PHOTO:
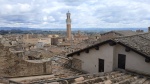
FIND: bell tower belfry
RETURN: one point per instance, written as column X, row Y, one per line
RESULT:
column 68, row 24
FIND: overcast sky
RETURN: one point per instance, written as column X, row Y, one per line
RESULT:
column 84, row 13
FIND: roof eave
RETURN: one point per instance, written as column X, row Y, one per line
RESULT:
column 107, row 41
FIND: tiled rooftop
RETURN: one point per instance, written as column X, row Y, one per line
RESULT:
column 138, row 42
column 115, row 77
column 123, row 33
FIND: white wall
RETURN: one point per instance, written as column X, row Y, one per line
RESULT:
column 134, row 61
column 90, row 60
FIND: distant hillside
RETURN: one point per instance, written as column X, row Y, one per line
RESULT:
column 97, row 29
column 73, row 29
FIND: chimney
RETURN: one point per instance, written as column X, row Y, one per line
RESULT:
column 148, row 29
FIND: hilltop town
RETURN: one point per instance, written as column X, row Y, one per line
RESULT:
column 121, row 57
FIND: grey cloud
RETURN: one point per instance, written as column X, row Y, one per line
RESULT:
column 73, row 2
column 15, row 18
column 52, row 13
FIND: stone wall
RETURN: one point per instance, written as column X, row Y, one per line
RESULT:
column 13, row 66
column 76, row 64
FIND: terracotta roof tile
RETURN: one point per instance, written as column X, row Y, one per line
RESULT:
column 139, row 42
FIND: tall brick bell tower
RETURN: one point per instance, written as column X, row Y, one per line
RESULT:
column 68, row 24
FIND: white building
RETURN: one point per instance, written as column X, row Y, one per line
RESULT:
column 130, row 53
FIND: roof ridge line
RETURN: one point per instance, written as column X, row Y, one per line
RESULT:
column 130, row 36
column 144, row 37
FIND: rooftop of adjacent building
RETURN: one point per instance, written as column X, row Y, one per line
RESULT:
column 124, row 32
column 114, row 77
column 139, row 43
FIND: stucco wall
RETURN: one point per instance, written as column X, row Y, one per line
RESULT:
column 134, row 61
column 90, row 60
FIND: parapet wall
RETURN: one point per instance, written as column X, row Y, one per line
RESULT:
column 76, row 64
column 13, row 66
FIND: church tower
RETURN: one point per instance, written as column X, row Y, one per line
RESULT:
column 68, row 24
